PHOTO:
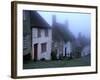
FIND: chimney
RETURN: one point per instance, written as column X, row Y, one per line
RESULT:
column 53, row 19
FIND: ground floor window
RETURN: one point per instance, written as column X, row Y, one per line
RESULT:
column 43, row 47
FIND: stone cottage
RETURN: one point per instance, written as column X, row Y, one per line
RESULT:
column 40, row 34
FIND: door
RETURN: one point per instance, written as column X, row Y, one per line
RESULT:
column 65, row 51
column 35, row 51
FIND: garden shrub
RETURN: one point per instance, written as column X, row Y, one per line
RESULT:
column 60, row 56
column 53, row 55
column 42, row 59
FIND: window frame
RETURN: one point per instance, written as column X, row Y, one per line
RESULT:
column 43, row 47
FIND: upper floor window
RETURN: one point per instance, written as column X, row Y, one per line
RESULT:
column 46, row 32
column 39, row 32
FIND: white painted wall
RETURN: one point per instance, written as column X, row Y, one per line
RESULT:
column 68, row 47
column 40, row 40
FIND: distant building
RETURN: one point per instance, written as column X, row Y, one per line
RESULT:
column 57, row 47
column 85, row 51
column 61, row 38
column 40, row 36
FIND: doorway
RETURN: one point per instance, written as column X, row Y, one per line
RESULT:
column 35, row 51
column 65, row 51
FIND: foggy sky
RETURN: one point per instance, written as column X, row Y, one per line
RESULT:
column 77, row 22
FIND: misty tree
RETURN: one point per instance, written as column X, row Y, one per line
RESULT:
column 80, row 42
column 84, row 41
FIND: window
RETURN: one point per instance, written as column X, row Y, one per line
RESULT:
column 39, row 32
column 43, row 47
column 46, row 32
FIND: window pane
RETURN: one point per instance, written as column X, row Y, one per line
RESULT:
column 43, row 47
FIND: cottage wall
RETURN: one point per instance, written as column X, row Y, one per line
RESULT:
column 39, row 41
column 68, row 50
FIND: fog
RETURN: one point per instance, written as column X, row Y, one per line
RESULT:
column 77, row 22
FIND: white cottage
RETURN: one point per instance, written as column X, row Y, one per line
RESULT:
column 41, row 37
column 37, row 36
column 60, row 34
column 67, row 49
column 41, row 43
